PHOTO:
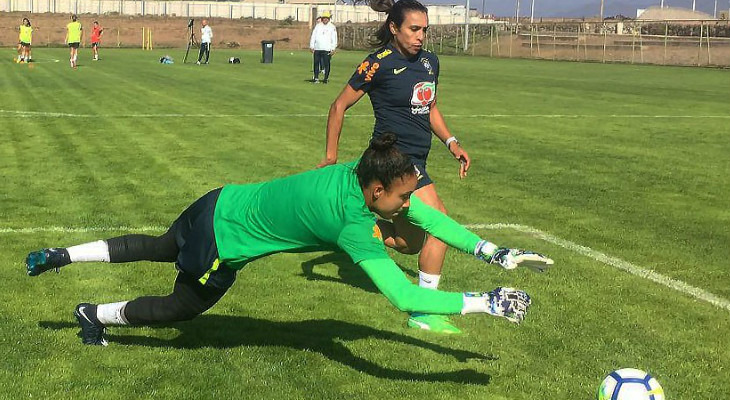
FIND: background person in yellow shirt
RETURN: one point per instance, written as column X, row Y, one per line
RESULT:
column 74, row 33
column 24, row 41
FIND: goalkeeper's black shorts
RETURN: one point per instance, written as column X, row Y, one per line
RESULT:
column 195, row 237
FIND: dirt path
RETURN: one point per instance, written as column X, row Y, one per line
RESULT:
column 126, row 31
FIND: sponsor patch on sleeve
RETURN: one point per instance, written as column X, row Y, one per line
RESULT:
column 377, row 233
column 363, row 67
column 371, row 72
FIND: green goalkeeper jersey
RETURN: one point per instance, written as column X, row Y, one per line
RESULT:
column 324, row 209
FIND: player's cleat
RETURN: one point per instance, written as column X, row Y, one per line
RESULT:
column 433, row 323
column 38, row 262
column 92, row 333
column 197, row 63
column 325, row 81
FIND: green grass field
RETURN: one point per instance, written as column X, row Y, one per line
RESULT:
column 627, row 161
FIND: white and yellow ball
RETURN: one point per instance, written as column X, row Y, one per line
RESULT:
column 630, row 384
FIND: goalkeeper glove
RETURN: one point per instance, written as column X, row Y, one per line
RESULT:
column 501, row 302
column 511, row 258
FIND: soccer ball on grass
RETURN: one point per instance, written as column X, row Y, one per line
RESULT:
column 630, row 384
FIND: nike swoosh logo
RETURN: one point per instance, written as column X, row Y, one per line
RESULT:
column 397, row 71
column 82, row 311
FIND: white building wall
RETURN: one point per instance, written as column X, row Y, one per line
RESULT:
column 438, row 15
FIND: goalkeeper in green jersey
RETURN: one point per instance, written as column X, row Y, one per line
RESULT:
column 324, row 209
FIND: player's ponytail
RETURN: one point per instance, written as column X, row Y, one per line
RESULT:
column 382, row 161
column 396, row 14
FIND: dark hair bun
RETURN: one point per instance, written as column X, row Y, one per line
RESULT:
column 383, row 142
column 382, row 5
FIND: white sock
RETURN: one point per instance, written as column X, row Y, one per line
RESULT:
column 93, row 251
column 112, row 313
column 428, row 281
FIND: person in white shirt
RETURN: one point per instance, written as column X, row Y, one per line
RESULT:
column 323, row 44
column 206, row 35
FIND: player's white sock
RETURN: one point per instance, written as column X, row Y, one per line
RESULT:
column 112, row 313
column 93, row 251
column 428, row 281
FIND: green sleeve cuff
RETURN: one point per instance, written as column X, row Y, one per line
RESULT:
column 405, row 295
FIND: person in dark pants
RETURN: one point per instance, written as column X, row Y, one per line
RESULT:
column 323, row 44
column 206, row 36
column 401, row 79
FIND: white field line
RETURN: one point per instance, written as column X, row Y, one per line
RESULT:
column 633, row 269
column 44, row 114
column 62, row 229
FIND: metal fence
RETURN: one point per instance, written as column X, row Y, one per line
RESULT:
column 695, row 42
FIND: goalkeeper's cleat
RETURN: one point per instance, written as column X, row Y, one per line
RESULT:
column 40, row 261
column 432, row 322
column 92, row 331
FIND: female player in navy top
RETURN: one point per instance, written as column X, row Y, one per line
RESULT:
column 401, row 80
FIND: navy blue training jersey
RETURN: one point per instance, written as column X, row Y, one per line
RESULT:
column 401, row 90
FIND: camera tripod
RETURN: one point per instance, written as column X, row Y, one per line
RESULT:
column 191, row 39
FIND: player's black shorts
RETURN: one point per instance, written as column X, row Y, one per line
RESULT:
column 195, row 237
column 94, row 44
column 24, row 44
column 421, row 174
column 74, row 45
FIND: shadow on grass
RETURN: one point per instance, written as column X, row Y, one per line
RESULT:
column 327, row 337
column 349, row 273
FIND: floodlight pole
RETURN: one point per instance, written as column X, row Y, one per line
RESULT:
column 466, row 31
column 601, row 15
column 714, row 15
column 517, row 13
column 532, row 12
column 662, row 4
column 694, row 5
